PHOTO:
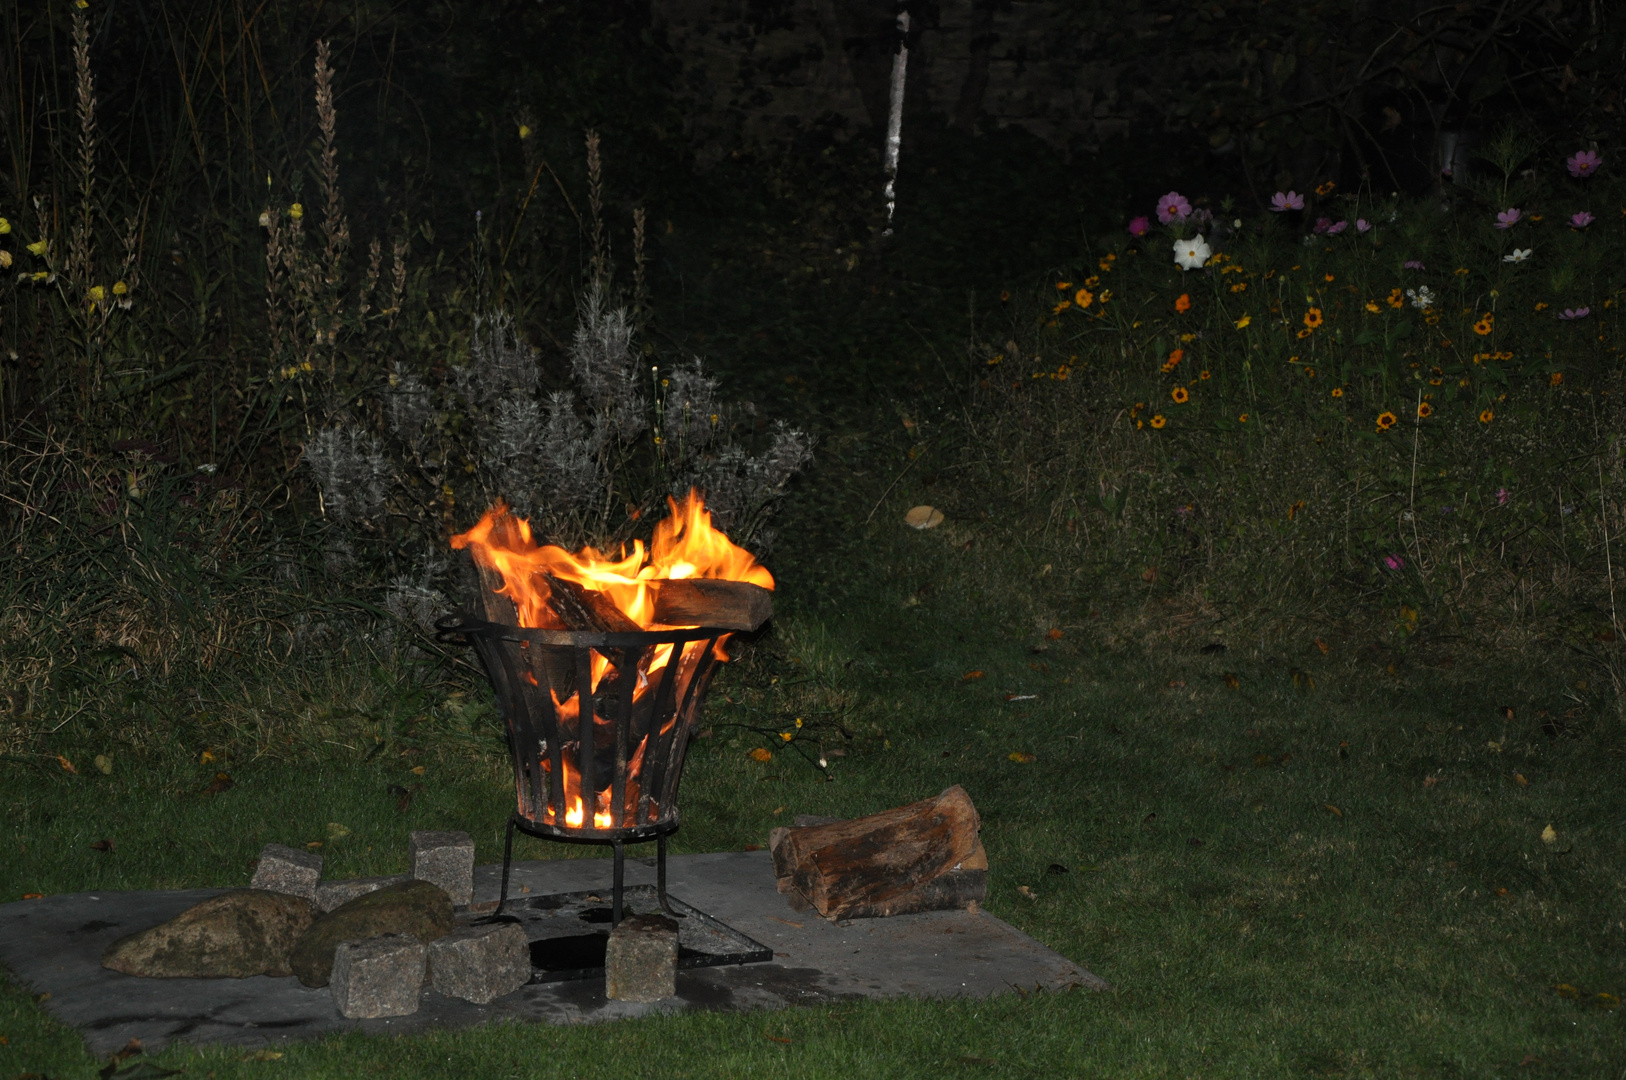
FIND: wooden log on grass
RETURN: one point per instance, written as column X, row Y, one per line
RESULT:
column 867, row 866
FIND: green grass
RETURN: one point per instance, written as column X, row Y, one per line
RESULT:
column 1294, row 940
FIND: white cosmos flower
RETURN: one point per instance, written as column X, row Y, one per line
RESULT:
column 1420, row 297
column 1518, row 256
column 1191, row 254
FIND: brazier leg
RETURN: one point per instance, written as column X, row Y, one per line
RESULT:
column 620, row 875
column 660, row 877
column 507, row 860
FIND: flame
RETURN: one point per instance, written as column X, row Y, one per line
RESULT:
column 684, row 545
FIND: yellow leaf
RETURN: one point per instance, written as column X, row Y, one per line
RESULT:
column 336, row 831
column 1232, row 681
column 264, row 1055
column 67, row 766
column 968, row 676
column 1549, row 836
column 417, row 770
column 761, row 753
column 1607, row 1001
column 1022, row 758
column 206, row 758
column 104, row 764
column 1565, row 990
column 1334, row 810
column 923, row 517
column 1518, row 778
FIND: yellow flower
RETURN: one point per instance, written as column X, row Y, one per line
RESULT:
column 1555, row 378
column 1395, row 299
column 120, row 288
column 1306, row 332
column 1158, row 421
column 1486, row 417
column 1460, row 271
column 1310, row 371
column 1241, row 286
column 1331, row 278
column 1242, row 323
column 1541, row 305
column 1387, row 420
column 41, row 275
column 1325, row 187
column 1203, row 375
column 39, row 247
column 5, row 259
column 787, row 735
column 5, row 226
column 1179, row 395
column 296, row 211
column 1312, row 318
column 1338, row 391
column 1092, row 281
column 1372, row 306
column 96, row 294
column 525, row 131
column 1243, row 419
column 1063, row 286
column 1424, row 410
column 1084, row 298
column 1063, row 306
column 1485, row 325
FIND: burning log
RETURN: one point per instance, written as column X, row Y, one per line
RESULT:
column 727, row 605
column 581, row 608
column 919, row 857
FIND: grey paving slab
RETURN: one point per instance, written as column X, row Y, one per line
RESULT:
column 54, row 946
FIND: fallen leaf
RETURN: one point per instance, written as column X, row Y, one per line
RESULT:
column 1231, row 680
column 264, row 1055
column 1430, row 781
column 1303, row 680
column 1022, row 758
column 968, row 676
column 760, row 754
column 1501, row 892
column 104, row 764
column 1054, row 633
column 776, row 1038
column 67, row 766
column 42, row 998
column 1323, row 646
column 752, row 847
column 103, row 846
column 923, row 517
column 1507, row 712
column 336, row 831
column 1149, row 575
column 1333, row 810
column 1495, row 747
column 1263, row 761
column 1606, row 1001
column 206, row 758
column 1549, row 836
column 33, row 896
column 1518, row 778
column 787, row 922
column 417, row 770
column 1568, row 992
column 221, row 782
column 1177, row 684
column 1529, row 1059
column 1027, row 892
column 313, row 844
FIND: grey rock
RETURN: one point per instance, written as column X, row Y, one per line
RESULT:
column 480, row 963
column 231, row 936
column 287, row 870
column 379, row 976
column 334, row 894
column 447, row 860
column 414, row 908
column 640, row 959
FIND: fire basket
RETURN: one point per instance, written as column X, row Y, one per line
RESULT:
column 599, row 713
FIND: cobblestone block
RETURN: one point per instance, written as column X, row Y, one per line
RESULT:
column 640, row 960
column 480, row 963
column 379, row 976
column 445, row 859
column 288, row 870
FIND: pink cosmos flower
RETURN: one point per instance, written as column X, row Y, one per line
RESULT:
column 1583, row 163
column 1394, row 562
column 1501, row 496
column 1508, row 218
column 1571, row 314
column 1362, row 225
column 1173, row 207
column 1415, row 264
column 1582, row 219
column 1337, row 227
column 1286, row 200
column 1140, row 226
column 1321, row 225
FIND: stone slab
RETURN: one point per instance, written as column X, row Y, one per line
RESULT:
column 480, row 963
column 333, row 894
column 54, row 946
column 445, row 859
column 640, row 959
column 381, row 976
column 287, row 870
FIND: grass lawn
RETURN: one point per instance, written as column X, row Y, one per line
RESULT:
column 1286, row 865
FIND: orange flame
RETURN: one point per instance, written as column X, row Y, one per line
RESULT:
column 684, row 545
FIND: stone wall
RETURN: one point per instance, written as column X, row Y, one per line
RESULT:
column 754, row 72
